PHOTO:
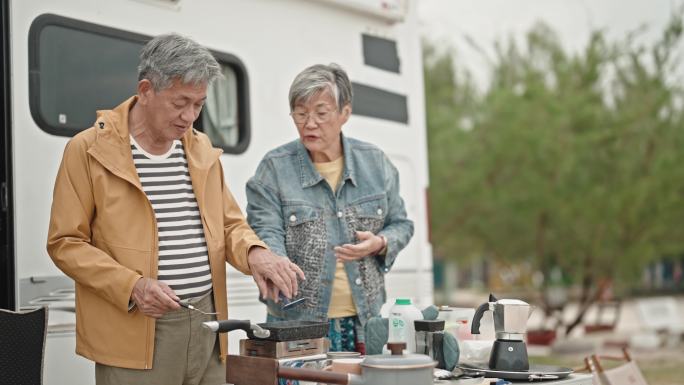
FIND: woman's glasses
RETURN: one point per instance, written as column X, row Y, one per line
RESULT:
column 319, row 117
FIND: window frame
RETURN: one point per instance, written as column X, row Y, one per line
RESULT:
column 244, row 122
column 48, row 19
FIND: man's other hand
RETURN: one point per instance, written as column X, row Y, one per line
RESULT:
column 154, row 298
column 273, row 274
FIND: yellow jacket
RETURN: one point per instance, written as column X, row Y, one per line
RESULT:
column 103, row 234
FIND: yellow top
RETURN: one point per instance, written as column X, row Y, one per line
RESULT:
column 341, row 301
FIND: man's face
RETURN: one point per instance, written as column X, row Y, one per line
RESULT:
column 170, row 112
column 319, row 122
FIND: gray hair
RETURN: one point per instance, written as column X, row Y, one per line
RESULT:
column 318, row 78
column 171, row 56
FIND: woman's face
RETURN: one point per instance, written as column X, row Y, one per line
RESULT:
column 319, row 123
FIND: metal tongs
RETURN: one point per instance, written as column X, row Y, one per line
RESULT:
column 287, row 303
column 188, row 306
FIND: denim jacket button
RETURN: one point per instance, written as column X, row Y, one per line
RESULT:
column 379, row 211
column 358, row 281
column 339, row 214
column 293, row 218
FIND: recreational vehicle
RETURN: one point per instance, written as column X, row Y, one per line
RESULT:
column 63, row 60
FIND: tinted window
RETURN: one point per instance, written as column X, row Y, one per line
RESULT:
column 81, row 72
column 220, row 117
column 77, row 68
column 380, row 53
column 378, row 103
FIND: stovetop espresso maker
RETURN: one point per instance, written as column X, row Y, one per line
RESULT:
column 509, row 352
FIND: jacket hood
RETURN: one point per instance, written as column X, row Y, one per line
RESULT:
column 112, row 145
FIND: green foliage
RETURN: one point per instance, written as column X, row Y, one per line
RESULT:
column 567, row 159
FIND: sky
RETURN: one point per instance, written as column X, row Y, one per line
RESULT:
column 447, row 22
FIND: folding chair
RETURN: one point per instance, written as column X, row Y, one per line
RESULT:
column 22, row 346
column 588, row 368
column 627, row 373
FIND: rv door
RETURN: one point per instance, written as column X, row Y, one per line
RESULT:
column 7, row 276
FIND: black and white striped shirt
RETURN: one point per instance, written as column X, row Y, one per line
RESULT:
column 183, row 258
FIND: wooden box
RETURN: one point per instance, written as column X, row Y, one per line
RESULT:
column 282, row 349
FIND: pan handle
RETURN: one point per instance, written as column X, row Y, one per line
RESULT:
column 227, row 325
column 313, row 375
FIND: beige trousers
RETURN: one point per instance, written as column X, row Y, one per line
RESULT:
column 185, row 353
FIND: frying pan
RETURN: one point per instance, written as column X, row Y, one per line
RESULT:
column 277, row 331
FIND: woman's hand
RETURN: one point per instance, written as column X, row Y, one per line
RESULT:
column 273, row 274
column 369, row 244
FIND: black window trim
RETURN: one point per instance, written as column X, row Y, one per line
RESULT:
column 49, row 19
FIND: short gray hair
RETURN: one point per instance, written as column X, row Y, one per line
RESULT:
column 318, row 78
column 171, row 56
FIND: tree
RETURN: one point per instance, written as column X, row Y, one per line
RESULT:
column 566, row 160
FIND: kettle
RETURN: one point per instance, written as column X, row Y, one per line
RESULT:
column 509, row 352
column 510, row 318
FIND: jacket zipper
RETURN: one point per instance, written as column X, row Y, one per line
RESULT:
column 155, row 256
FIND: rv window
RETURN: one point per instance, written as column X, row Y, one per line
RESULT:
column 77, row 73
column 77, row 68
column 380, row 53
column 219, row 119
column 378, row 103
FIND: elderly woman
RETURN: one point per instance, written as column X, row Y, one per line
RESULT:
column 331, row 204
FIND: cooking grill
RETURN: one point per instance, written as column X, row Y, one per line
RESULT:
column 291, row 330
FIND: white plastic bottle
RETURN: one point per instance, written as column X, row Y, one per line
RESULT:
column 401, row 327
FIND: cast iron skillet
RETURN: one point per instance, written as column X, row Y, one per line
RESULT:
column 278, row 331
column 292, row 330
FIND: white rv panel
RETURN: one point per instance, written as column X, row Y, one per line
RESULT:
column 274, row 39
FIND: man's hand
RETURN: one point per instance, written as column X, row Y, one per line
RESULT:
column 154, row 298
column 369, row 244
column 273, row 274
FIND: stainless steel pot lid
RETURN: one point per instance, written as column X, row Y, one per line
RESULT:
column 535, row 373
column 403, row 361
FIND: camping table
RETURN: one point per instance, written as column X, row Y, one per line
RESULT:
column 573, row 379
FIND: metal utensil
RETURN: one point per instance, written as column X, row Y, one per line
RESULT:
column 289, row 303
column 188, row 306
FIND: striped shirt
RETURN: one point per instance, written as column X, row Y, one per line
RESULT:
column 183, row 258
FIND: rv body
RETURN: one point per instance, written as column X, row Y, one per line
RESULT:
column 62, row 60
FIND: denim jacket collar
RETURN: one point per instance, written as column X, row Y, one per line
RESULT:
column 310, row 177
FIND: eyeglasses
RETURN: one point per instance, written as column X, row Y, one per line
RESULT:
column 319, row 117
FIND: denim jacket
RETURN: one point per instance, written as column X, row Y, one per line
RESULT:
column 293, row 210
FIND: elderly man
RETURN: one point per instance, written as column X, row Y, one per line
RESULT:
column 143, row 221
